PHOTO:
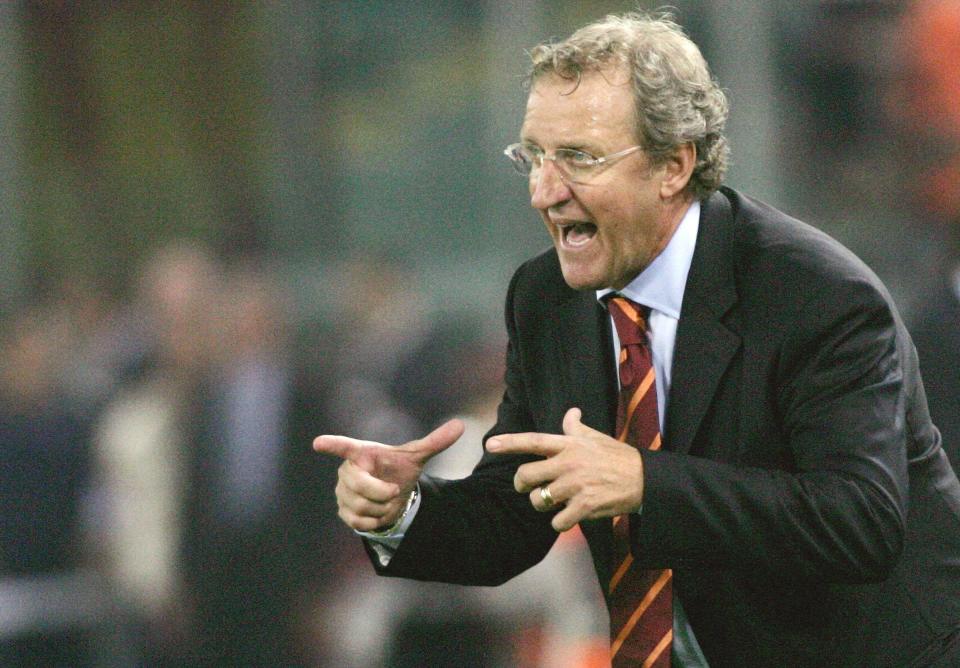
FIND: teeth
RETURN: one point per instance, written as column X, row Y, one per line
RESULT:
column 577, row 234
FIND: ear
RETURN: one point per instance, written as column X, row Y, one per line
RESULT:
column 677, row 170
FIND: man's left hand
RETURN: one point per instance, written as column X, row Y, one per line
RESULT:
column 588, row 474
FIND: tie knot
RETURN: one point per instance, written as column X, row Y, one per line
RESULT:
column 630, row 320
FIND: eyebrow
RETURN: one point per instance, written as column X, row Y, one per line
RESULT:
column 573, row 146
column 524, row 139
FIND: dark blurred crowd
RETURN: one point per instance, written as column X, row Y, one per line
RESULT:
column 160, row 501
column 162, row 505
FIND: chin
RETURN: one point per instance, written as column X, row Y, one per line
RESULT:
column 579, row 281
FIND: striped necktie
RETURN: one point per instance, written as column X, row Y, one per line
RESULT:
column 641, row 601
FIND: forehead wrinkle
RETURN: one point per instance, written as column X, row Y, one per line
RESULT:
column 597, row 112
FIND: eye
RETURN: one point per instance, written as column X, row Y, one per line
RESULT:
column 575, row 157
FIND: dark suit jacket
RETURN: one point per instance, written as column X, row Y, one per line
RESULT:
column 801, row 497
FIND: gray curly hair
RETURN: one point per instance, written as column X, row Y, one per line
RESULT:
column 677, row 101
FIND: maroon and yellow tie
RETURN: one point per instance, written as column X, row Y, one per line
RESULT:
column 641, row 600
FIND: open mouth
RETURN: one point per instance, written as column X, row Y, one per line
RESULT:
column 577, row 234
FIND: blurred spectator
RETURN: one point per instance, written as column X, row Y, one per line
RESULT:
column 937, row 337
column 926, row 105
column 142, row 446
column 550, row 616
column 259, row 530
column 929, row 101
column 213, row 522
column 381, row 316
column 110, row 343
column 47, row 608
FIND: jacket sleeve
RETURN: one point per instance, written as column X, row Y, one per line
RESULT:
column 479, row 530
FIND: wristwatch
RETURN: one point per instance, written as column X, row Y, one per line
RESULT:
column 389, row 531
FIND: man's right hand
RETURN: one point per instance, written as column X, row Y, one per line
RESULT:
column 375, row 480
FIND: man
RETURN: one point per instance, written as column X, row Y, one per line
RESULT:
column 789, row 490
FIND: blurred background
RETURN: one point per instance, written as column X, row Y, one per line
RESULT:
column 227, row 227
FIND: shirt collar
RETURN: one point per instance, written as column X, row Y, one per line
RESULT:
column 660, row 286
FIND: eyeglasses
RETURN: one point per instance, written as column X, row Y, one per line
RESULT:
column 575, row 165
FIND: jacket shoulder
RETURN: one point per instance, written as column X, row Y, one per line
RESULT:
column 796, row 253
column 539, row 279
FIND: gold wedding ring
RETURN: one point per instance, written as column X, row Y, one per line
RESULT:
column 545, row 496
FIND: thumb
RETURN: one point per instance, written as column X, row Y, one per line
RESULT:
column 572, row 426
column 436, row 441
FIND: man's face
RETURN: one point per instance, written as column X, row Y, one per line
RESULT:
column 606, row 231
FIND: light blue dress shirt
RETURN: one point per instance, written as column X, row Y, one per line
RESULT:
column 660, row 288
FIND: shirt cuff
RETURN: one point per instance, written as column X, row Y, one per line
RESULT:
column 385, row 543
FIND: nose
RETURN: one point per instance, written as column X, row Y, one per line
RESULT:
column 547, row 187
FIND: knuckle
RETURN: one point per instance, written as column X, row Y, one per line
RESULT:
column 369, row 508
column 587, row 502
column 362, row 524
column 348, row 517
column 358, row 522
column 576, row 507
column 368, row 524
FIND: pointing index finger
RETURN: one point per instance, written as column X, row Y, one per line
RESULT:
column 531, row 443
column 343, row 447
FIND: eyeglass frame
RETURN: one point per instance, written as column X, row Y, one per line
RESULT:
column 590, row 165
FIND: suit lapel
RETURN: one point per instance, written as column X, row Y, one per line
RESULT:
column 586, row 345
column 585, row 341
column 704, row 345
column 703, row 350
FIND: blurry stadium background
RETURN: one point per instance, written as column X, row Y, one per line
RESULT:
column 227, row 227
